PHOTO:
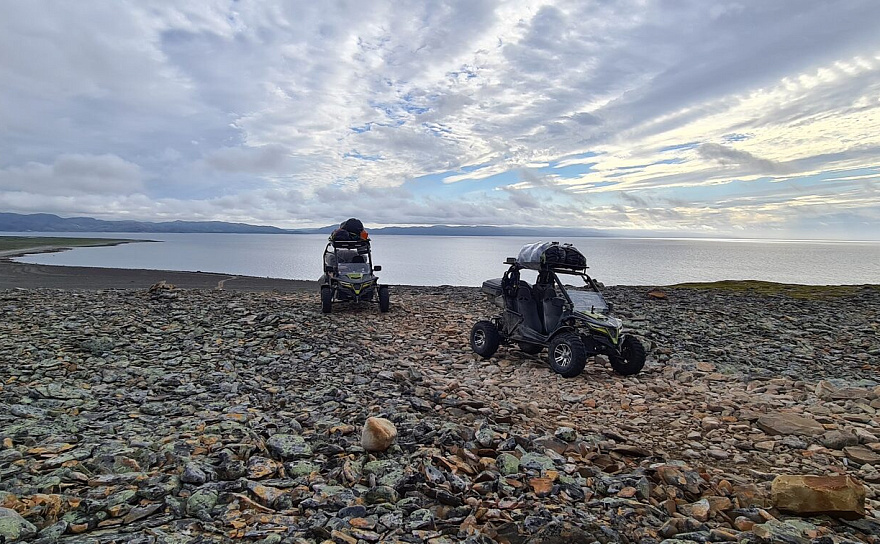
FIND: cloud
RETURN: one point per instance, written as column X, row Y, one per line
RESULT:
column 731, row 157
column 74, row 174
column 171, row 109
column 267, row 159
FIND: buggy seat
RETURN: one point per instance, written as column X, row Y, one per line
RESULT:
column 347, row 252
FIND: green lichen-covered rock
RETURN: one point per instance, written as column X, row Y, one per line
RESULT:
column 380, row 494
column 300, row 468
column 288, row 446
column 201, row 502
column 13, row 527
column 536, row 461
column 507, row 464
column 379, row 467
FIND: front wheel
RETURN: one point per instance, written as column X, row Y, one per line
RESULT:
column 567, row 355
column 326, row 300
column 485, row 339
column 384, row 299
column 631, row 358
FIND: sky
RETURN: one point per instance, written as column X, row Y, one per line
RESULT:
column 668, row 117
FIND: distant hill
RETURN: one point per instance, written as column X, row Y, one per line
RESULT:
column 446, row 230
column 44, row 222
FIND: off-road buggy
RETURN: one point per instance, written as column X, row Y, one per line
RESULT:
column 349, row 275
column 571, row 323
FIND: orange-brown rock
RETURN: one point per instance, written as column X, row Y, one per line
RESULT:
column 840, row 496
column 657, row 294
column 378, row 434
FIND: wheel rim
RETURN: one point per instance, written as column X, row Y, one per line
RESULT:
column 479, row 338
column 562, row 355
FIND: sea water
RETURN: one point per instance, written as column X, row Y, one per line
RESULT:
column 468, row 260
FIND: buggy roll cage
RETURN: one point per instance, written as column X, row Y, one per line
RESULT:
column 361, row 246
column 547, row 275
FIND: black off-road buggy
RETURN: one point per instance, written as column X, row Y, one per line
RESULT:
column 349, row 275
column 572, row 323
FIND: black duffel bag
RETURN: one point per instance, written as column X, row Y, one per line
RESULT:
column 574, row 258
column 353, row 226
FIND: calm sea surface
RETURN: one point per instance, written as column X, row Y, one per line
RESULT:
column 467, row 260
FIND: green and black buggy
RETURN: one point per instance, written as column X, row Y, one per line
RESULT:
column 572, row 323
column 349, row 276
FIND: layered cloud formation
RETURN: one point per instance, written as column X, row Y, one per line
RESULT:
column 738, row 118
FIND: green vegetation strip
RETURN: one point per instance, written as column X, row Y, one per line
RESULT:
column 768, row 288
column 12, row 243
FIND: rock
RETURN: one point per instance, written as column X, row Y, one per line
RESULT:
column 486, row 437
column 743, row 523
column 13, row 527
column 200, row 503
column 536, row 461
column 862, row 455
column 785, row 423
column 507, row 464
column 566, row 434
column 866, row 437
column 657, row 294
column 837, row 440
column 700, row 510
column 192, row 474
column 839, row 496
column 779, row 531
column 420, row 519
column 564, row 533
column 378, row 434
column 288, row 446
column 140, row 512
column 381, row 494
column 300, row 468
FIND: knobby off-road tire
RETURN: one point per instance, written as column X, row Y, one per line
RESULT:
column 384, row 299
column 326, row 300
column 531, row 349
column 485, row 339
column 567, row 355
column 632, row 357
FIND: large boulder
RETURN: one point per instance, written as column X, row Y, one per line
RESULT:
column 378, row 434
column 782, row 423
column 839, row 496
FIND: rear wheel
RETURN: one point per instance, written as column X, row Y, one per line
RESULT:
column 326, row 300
column 485, row 339
column 384, row 299
column 631, row 358
column 531, row 349
column 567, row 355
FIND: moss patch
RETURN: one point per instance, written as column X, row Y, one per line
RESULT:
column 768, row 288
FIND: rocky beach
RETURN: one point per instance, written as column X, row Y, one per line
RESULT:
column 211, row 415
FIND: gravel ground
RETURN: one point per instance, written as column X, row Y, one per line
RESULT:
column 206, row 415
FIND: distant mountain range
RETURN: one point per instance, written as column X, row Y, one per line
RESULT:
column 44, row 222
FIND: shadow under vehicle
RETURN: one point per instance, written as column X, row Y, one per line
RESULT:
column 349, row 276
column 571, row 323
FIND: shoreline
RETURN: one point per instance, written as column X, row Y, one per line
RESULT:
column 16, row 275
